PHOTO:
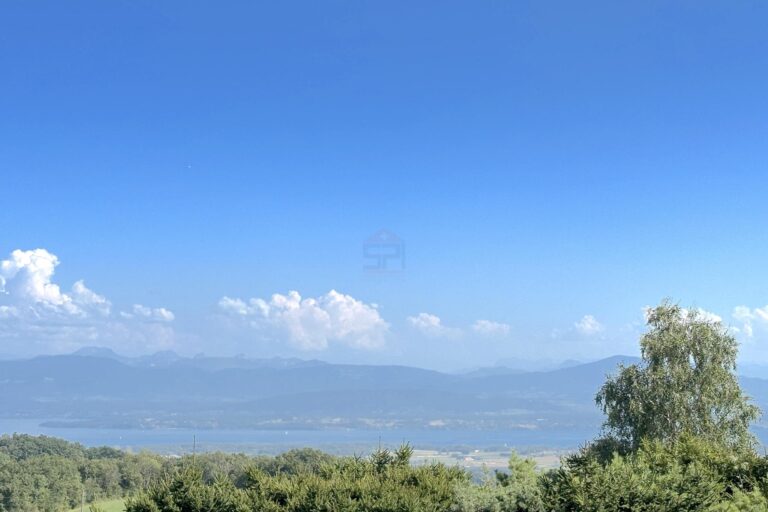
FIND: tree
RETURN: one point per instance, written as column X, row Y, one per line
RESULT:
column 686, row 383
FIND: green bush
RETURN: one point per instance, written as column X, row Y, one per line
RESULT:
column 384, row 482
column 689, row 474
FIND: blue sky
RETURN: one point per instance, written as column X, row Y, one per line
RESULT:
column 552, row 168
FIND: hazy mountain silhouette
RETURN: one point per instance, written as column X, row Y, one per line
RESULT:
column 96, row 387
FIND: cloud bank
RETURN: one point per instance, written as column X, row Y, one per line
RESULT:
column 490, row 328
column 38, row 314
column 35, row 311
column 589, row 326
column 432, row 326
column 312, row 323
column 751, row 319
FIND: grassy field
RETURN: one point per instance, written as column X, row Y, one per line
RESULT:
column 106, row 506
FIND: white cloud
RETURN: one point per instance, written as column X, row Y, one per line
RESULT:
column 588, row 326
column 149, row 314
column 83, row 296
column 36, row 311
column 751, row 319
column 490, row 328
column 705, row 315
column 427, row 324
column 31, row 272
column 234, row 306
column 431, row 325
column 27, row 279
column 313, row 323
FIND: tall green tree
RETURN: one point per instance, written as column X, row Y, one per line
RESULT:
column 686, row 383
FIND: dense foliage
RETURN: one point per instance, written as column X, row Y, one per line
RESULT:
column 383, row 482
column 50, row 475
column 47, row 474
column 687, row 474
column 44, row 474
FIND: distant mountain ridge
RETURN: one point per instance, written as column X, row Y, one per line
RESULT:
column 170, row 358
column 98, row 388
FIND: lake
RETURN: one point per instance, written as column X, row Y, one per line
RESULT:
column 338, row 440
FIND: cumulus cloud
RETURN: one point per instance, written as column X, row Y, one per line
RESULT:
column 26, row 279
column 35, row 310
column 490, row 328
column 312, row 323
column 149, row 314
column 750, row 319
column 703, row 314
column 427, row 324
column 588, row 326
column 432, row 326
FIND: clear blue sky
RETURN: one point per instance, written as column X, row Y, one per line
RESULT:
column 552, row 167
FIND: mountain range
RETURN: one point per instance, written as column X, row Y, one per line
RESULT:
column 98, row 388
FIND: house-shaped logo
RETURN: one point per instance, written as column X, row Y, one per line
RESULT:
column 384, row 251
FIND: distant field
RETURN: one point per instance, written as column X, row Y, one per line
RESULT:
column 106, row 506
column 478, row 459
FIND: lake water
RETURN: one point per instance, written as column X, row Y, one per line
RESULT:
column 180, row 440
column 339, row 441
